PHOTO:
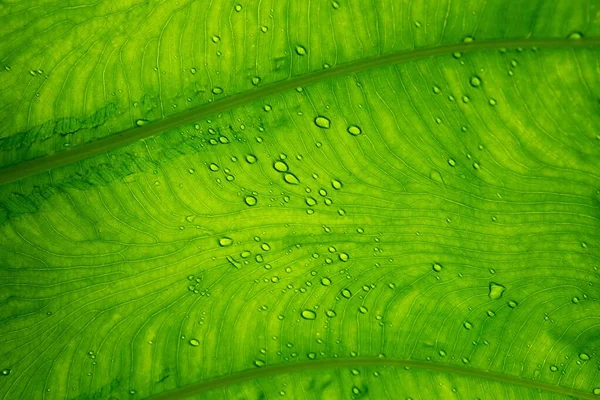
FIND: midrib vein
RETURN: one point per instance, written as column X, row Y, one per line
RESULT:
column 32, row 167
column 257, row 373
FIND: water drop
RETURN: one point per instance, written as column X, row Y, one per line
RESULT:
column 584, row 356
column 225, row 241
column 259, row 363
column 215, row 38
column 308, row 314
column 344, row 257
column 256, row 80
column 575, row 35
column 250, row 200
column 250, row 159
column 354, row 130
column 193, row 71
column 291, row 179
column 437, row 267
column 346, row 293
column 194, row 342
column 217, row 90
column 141, row 122
column 264, row 29
column 213, row 167
column 451, row 162
column 475, row 81
column 300, row 50
column 457, row 55
column 596, row 391
column 437, row 90
column 490, row 313
column 513, row 304
column 322, row 122
column 325, row 281
column 310, row 201
column 468, row 39
column 467, row 325
column 312, row 356
column 442, row 353
column 337, row 185
column 335, row 5
column 496, row 291
column 553, row 368
column 238, row 7
column 330, row 313
column 280, row 166
column 363, row 309
column 5, row 372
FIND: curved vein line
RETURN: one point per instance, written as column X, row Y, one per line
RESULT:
column 256, row 373
column 42, row 164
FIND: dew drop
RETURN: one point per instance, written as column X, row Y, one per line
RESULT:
column 213, row 167
column 354, row 130
column 310, row 201
column 256, row 80
column 475, row 81
column 344, row 257
column 250, row 200
column 325, row 281
column 291, row 179
column 225, row 241
column 322, row 122
column 363, row 309
column 193, row 71
column 141, row 122
column 553, row 368
column 250, row 159
column 337, row 185
column 467, row 325
column 300, row 50
column 437, row 267
column 330, row 313
column 596, row 391
column 513, row 304
column 215, row 38
column 468, row 39
column 437, row 90
column 346, row 293
column 194, row 342
column 451, row 162
column 575, row 35
column 259, row 363
column 280, row 166
column 496, row 291
column 5, row 372
column 217, row 90
column 308, row 314
column 238, row 7
column 584, row 356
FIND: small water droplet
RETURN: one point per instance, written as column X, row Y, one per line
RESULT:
column 596, row 391
column 238, row 7
column 346, row 293
column 468, row 39
column 330, row 313
column 217, row 90
column 344, row 257
column 322, row 122
column 250, row 200
column 259, row 363
column 194, row 342
column 354, row 130
column 250, row 159
column 256, row 80
column 475, row 81
column 308, row 314
column 467, row 325
column 213, row 167
column 225, row 241
column 553, row 368
column 575, row 35
column 141, row 122
column 310, row 201
column 584, row 356
column 6, row 371
column 512, row 304
column 363, row 309
column 300, row 50
column 437, row 267
column 215, row 38
column 437, row 90
column 490, row 313
column 264, row 29
column 451, row 162
column 325, row 281
column 337, row 185
column 496, row 291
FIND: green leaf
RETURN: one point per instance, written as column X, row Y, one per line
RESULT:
column 327, row 199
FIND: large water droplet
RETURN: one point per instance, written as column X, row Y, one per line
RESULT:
column 354, row 130
column 291, row 179
column 280, row 166
column 337, row 185
column 225, row 241
column 475, row 81
column 496, row 291
column 437, row 267
column 308, row 314
column 250, row 200
column 300, row 50
column 5, row 372
column 250, row 159
column 330, row 313
column 584, row 356
column 322, row 122
column 346, row 293
column 325, row 281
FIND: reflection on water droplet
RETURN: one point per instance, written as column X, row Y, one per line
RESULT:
column 308, row 314
column 322, row 122
column 496, row 291
column 6, row 371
